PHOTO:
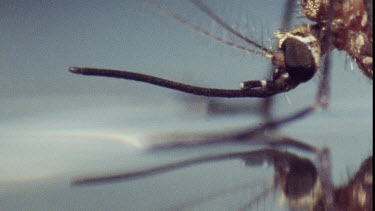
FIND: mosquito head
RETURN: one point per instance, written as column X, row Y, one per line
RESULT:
column 300, row 53
column 300, row 183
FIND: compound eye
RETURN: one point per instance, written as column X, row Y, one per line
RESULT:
column 299, row 61
column 301, row 179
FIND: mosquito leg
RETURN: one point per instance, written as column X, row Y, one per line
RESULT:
column 267, row 103
column 250, row 135
column 322, row 102
column 250, row 157
column 325, row 175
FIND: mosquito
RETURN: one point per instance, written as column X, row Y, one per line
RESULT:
column 301, row 52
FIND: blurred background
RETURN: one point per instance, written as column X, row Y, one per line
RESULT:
column 55, row 126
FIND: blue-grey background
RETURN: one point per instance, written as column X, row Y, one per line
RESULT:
column 55, row 126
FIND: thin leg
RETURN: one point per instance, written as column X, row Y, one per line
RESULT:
column 251, row 158
column 267, row 103
column 326, row 178
column 244, row 136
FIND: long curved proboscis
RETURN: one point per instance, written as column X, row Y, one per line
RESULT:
column 270, row 90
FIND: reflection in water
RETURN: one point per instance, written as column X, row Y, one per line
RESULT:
column 53, row 128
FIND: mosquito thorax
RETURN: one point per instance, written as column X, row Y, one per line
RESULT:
column 301, row 53
column 351, row 27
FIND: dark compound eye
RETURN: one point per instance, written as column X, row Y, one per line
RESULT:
column 299, row 61
column 301, row 179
